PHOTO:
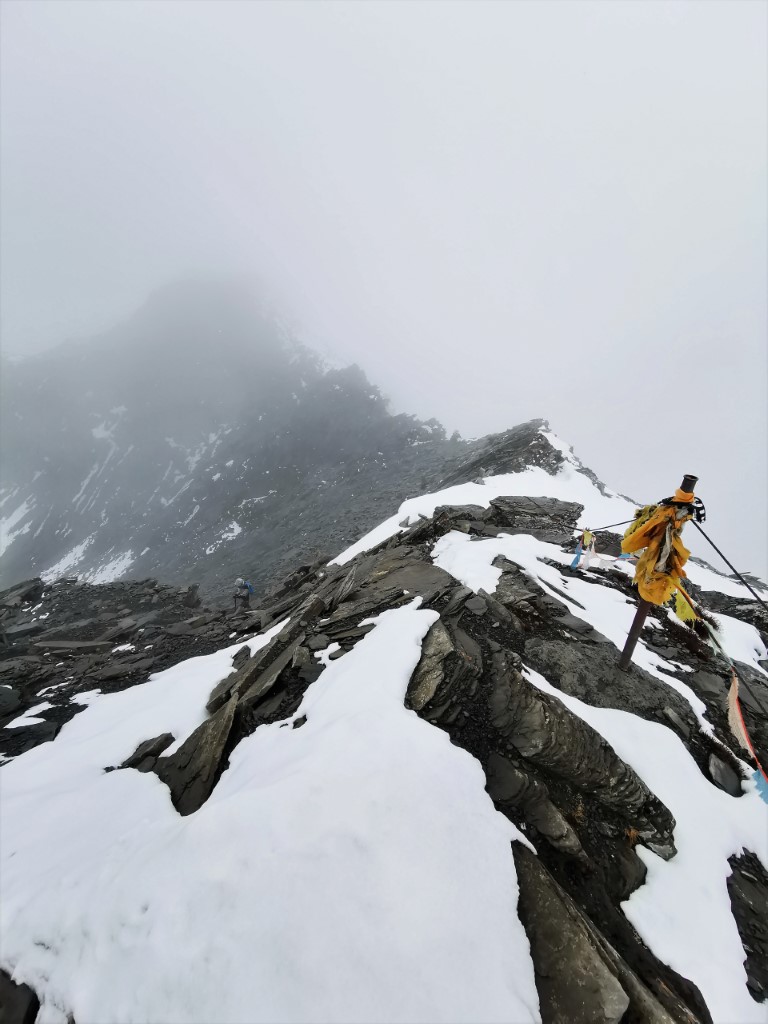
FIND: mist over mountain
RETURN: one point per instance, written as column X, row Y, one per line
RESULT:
column 285, row 290
column 198, row 441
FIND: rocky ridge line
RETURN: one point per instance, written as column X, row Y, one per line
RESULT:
column 546, row 769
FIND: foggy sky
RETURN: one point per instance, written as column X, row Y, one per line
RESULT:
column 500, row 210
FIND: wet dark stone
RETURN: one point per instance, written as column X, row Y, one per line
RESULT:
column 145, row 755
column 191, row 772
column 748, row 889
column 18, row 1003
column 724, row 776
column 9, row 700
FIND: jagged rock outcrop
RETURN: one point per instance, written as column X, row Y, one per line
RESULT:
column 584, row 807
column 191, row 772
column 59, row 639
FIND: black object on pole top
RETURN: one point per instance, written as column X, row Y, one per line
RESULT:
column 689, row 482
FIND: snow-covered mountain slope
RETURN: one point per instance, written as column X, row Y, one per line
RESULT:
column 564, row 477
column 425, row 792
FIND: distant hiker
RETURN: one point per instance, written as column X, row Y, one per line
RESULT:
column 243, row 591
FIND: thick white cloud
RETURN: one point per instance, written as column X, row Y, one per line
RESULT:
column 545, row 209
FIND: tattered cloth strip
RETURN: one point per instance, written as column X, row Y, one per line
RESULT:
column 585, row 540
column 685, row 610
column 657, row 529
column 737, row 724
column 589, row 552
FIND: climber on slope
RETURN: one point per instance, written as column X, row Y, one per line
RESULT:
column 243, row 591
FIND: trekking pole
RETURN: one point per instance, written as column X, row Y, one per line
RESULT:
column 689, row 482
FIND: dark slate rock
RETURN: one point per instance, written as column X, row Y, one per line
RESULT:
column 590, row 672
column 144, row 756
column 9, row 700
column 22, row 666
column 476, row 605
column 456, row 601
column 318, row 642
column 179, row 629
column 18, row 1003
column 514, row 586
column 677, row 722
column 428, row 675
column 345, row 589
column 568, row 996
column 499, row 612
column 471, row 513
column 235, row 681
column 191, row 772
column 748, row 889
column 310, row 673
column 125, row 627
column 708, row 685
column 114, row 671
column 606, row 543
column 510, row 786
column 264, row 682
column 23, row 629
column 240, row 657
column 545, row 732
column 30, row 736
column 342, row 633
column 251, row 670
column 142, row 665
column 575, row 984
column 461, row 672
column 28, row 592
column 190, row 597
column 724, row 776
column 203, row 620
column 631, row 869
column 545, row 518
column 301, row 657
column 508, row 452
column 74, row 646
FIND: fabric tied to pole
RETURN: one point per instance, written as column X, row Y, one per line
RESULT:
column 656, row 532
column 739, row 730
column 586, row 539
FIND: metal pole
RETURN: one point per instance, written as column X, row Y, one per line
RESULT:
column 634, row 635
column 688, row 484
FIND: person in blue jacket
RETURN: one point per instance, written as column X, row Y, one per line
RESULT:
column 243, row 591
